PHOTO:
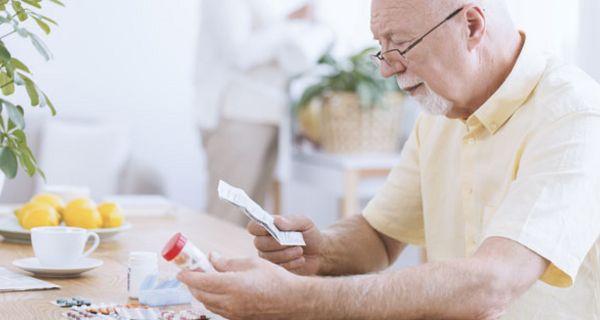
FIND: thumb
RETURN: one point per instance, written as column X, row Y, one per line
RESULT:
column 294, row 223
column 230, row 265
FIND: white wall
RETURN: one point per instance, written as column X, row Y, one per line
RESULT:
column 349, row 19
column 132, row 61
column 589, row 47
column 551, row 24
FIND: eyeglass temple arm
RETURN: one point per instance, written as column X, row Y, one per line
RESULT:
column 412, row 45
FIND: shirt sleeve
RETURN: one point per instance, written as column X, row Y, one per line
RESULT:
column 553, row 205
column 396, row 210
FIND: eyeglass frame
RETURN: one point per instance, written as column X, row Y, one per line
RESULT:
column 379, row 56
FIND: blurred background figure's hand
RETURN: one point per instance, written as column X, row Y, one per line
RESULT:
column 304, row 12
column 299, row 260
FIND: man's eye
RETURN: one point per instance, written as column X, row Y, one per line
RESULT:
column 401, row 44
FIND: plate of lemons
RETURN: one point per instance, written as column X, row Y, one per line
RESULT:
column 106, row 219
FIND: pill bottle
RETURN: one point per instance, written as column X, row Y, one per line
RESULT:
column 186, row 255
column 141, row 265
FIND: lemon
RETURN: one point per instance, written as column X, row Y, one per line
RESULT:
column 83, row 217
column 20, row 213
column 113, row 220
column 75, row 204
column 39, row 216
column 112, row 216
column 80, row 202
column 51, row 199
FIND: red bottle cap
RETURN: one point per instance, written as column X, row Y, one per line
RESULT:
column 173, row 248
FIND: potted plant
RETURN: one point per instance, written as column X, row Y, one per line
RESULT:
column 351, row 108
column 16, row 18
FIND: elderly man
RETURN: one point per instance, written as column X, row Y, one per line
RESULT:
column 503, row 190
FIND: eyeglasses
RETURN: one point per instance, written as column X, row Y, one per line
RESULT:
column 393, row 56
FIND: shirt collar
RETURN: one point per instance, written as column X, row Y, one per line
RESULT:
column 515, row 90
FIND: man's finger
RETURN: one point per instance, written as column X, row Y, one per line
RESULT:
column 231, row 265
column 293, row 223
column 213, row 302
column 267, row 244
column 208, row 282
column 256, row 229
column 294, row 265
column 282, row 256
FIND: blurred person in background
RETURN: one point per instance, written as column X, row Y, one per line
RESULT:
column 248, row 49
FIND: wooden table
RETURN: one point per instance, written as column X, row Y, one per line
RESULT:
column 107, row 284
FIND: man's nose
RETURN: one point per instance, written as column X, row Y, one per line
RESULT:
column 389, row 69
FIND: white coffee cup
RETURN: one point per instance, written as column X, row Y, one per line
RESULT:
column 61, row 246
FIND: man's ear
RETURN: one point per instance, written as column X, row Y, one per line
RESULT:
column 476, row 25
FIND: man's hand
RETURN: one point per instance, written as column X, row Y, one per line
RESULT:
column 246, row 289
column 300, row 260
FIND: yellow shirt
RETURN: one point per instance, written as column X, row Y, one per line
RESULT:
column 524, row 166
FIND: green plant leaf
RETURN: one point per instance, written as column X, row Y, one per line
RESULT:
column 18, row 79
column 7, row 85
column 22, row 32
column 8, row 162
column 40, row 46
column 29, row 163
column 44, row 26
column 310, row 93
column 26, row 157
column 32, row 90
column 4, row 53
column 11, row 125
column 50, row 105
column 19, row 11
column 33, row 3
column 14, row 149
column 20, row 65
column 58, row 2
column 10, row 68
column 355, row 74
column 328, row 59
column 9, row 88
column 15, row 114
column 48, row 20
column 21, row 137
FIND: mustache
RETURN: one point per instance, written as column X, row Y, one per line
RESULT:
column 407, row 82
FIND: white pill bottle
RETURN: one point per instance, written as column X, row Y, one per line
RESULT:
column 141, row 265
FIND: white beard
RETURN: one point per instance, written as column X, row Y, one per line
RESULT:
column 430, row 102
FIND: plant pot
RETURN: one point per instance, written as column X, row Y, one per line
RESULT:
column 347, row 127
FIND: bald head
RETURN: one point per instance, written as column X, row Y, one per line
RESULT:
column 455, row 59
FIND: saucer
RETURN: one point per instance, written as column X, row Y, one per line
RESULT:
column 33, row 265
